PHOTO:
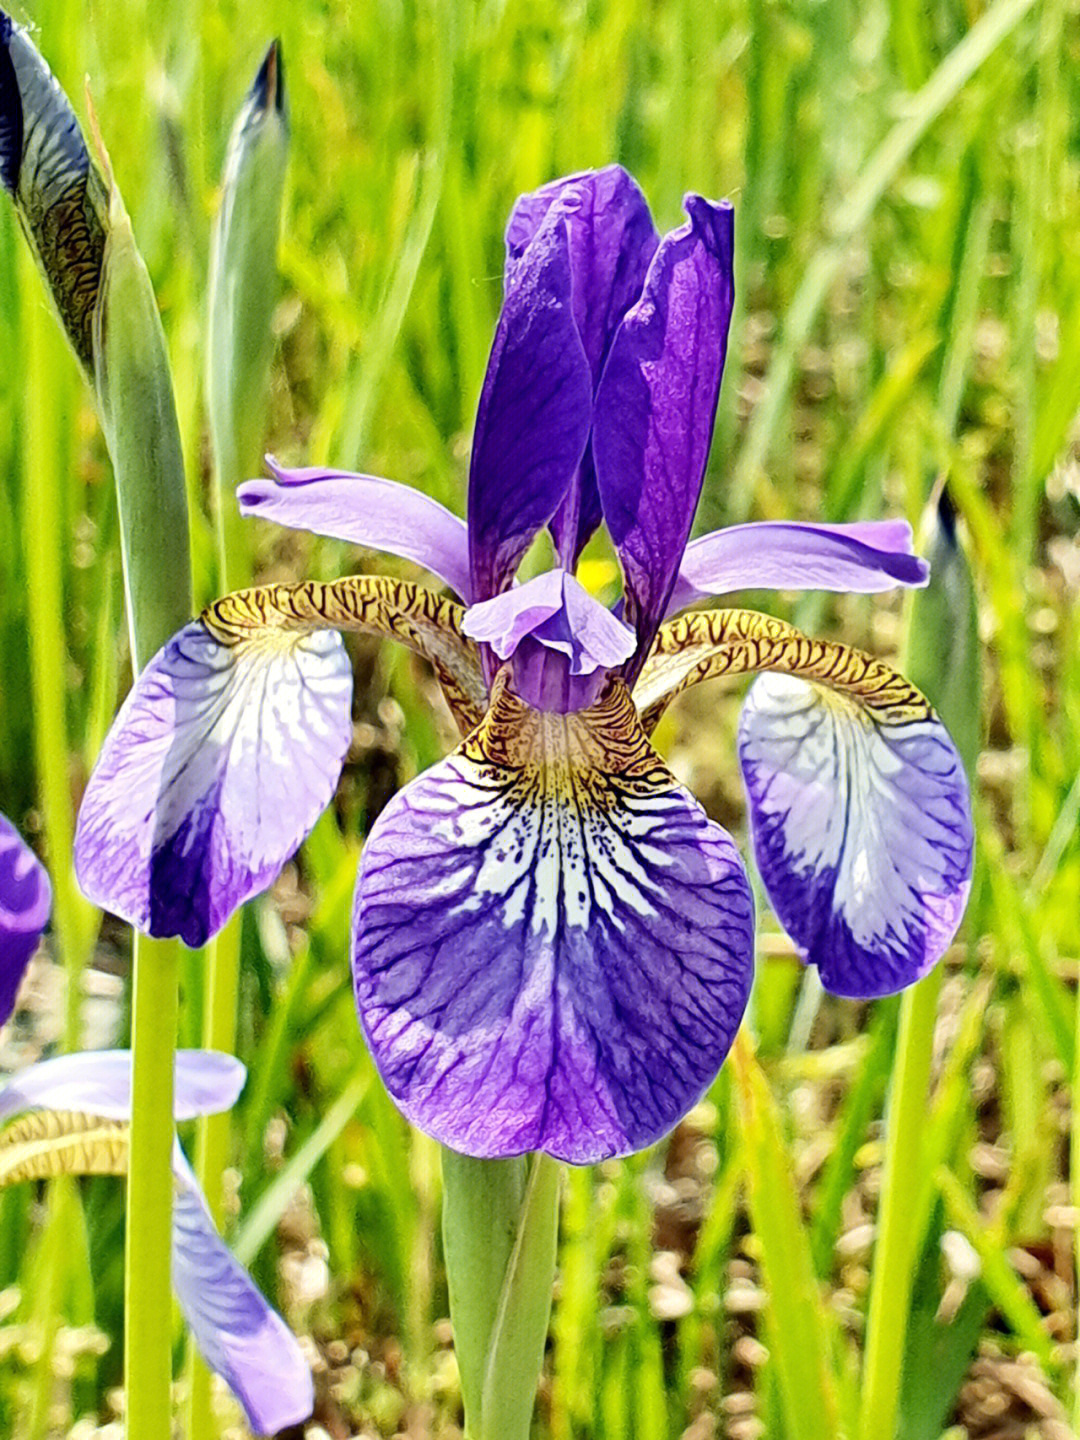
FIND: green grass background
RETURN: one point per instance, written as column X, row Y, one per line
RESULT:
column 908, row 270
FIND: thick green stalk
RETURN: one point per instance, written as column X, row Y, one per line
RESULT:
column 943, row 660
column 500, row 1225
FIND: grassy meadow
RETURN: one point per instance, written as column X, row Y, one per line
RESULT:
column 868, row 1228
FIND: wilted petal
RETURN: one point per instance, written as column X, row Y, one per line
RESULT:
column 612, row 240
column 239, row 1335
column 25, row 901
column 656, row 406
column 553, row 944
column 862, row 558
column 98, row 1082
column 364, row 510
column 862, row 832
column 60, row 198
column 216, row 768
column 534, row 415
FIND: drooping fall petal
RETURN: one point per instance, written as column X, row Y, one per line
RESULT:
column 553, row 944
column 862, row 831
column 219, row 763
column 25, row 901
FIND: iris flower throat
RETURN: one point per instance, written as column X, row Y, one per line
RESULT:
column 552, row 942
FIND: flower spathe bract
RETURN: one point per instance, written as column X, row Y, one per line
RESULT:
column 552, row 943
column 241, row 1337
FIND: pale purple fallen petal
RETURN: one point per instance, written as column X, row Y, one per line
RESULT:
column 656, row 406
column 239, row 1335
column 219, row 763
column 863, row 558
column 550, row 954
column 98, row 1082
column 25, row 901
column 534, row 415
column 364, row 510
column 862, row 833
column 612, row 241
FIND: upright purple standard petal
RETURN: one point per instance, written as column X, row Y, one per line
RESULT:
column 364, row 510
column 98, row 1082
column 656, row 406
column 863, row 558
column 553, row 945
column 612, row 241
column 239, row 1335
column 25, row 901
column 534, row 415
column 862, row 832
column 216, row 768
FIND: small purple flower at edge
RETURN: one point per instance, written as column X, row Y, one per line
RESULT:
column 552, row 943
column 240, row 1336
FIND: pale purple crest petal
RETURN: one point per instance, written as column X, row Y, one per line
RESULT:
column 216, row 768
column 656, row 406
column 98, row 1082
column 612, row 241
column 862, row 558
column 25, row 901
column 550, row 954
column 239, row 1335
column 534, row 415
column 364, row 510
column 862, row 832
column 589, row 633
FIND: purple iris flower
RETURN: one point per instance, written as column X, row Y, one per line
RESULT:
column 240, row 1336
column 552, row 943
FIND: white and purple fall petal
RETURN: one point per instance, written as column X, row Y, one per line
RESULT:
column 221, row 760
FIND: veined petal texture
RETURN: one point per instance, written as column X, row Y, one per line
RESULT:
column 217, row 766
column 534, row 414
column 862, row 831
column 98, row 1082
column 656, row 406
column 364, row 510
column 864, row 558
column 239, row 1335
column 25, row 901
column 553, row 945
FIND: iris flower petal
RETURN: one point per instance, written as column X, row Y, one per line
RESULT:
column 364, row 510
column 218, row 765
column 862, row 832
column 25, row 901
column 534, row 415
column 98, row 1082
column 656, row 405
column 612, row 241
column 553, row 944
column 239, row 1335
column 862, row 558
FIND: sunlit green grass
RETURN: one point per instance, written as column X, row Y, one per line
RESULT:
column 908, row 270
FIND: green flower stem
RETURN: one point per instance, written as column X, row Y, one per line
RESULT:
column 139, row 418
column 898, row 1239
column 500, row 1226
column 148, row 1239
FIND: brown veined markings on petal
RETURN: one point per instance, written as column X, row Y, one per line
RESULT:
column 45, row 1143
column 705, row 644
column 582, row 749
column 70, row 238
column 399, row 610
